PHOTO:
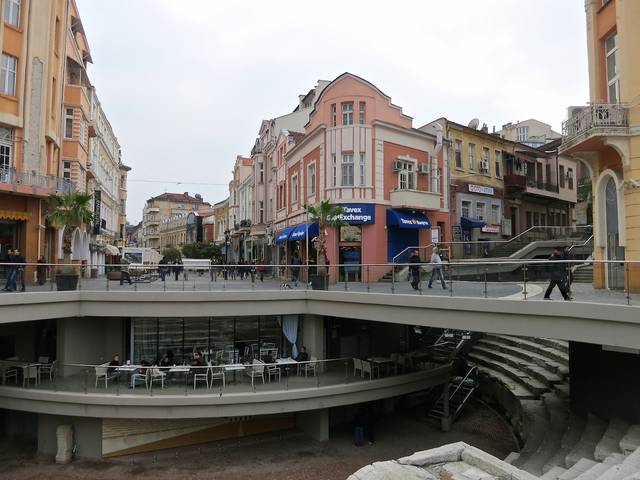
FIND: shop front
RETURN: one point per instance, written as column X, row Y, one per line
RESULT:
column 479, row 212
column 300, row 239
column 359, row 217
column 403, row 232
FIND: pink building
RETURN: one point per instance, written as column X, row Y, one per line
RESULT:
column 360, row 151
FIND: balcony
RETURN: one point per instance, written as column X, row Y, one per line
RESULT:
column 420, row 199
column 597, row 119
column 36, row 184
column 152, row 210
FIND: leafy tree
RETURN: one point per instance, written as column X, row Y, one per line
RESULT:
column 69, row 210
column 325, row 215
column 201, row 250
column 171, row 254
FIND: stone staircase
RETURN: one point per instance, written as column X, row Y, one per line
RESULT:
column 583, row 274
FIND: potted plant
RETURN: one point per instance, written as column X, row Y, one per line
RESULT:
column 325, row 215
column 69, row 210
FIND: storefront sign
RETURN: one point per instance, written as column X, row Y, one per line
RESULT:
column 491, row 229
column 97, row 206
column 480, row 189
column 435, row 235
column 358, row 213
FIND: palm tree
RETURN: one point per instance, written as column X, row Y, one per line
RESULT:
column 325, row 215
column 70, row 210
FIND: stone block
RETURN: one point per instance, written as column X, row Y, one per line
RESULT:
column 492, row 465
column 610, row 441
column 64, row 436
column 446, row 453
column 579, row 468
column 391, row 470
column 631, row 440
column 553, row 474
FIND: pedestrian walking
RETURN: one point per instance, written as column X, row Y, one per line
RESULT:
column 162, row 268
column 9, row 285
column 19, row 275
column 557, row 275
column 414, row 270
column 436, row 264
column 41, row 271
column 295, row 268
column 260, row 269
column 124, row 272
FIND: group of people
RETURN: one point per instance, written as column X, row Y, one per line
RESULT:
column 15, row 271
column 415, row 269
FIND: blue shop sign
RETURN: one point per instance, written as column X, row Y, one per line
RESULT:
column 358, row 213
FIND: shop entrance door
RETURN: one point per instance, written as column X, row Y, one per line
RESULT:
column 347, row 256
column 399, row 239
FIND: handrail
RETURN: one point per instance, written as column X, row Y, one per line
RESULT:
column 581, row 244
column 462, row 381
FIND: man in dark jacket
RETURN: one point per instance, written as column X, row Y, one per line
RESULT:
column 557, row 275
column 414, row 270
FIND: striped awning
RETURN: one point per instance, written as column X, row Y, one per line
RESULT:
column 13, row 215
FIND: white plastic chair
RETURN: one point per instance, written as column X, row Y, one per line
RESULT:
column 155, row 375
column 199, row 375
column 256, row 371
column 273, row 371
column 357, row 367
column 217, row 374
column 29, row 372
column 366, row 368
column 102, row 372
column 47, row 368
column 310, row 367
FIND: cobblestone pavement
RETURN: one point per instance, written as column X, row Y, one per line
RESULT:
column 276, row 457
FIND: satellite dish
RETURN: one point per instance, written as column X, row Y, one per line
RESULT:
column 474, row 123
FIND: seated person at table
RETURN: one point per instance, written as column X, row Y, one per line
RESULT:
column 197, row 361
column 115, row 362
column 303, row 356
column 165, row 363
column 140, row 374
column 268, row 358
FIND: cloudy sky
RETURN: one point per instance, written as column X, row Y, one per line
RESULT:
column 185, row 83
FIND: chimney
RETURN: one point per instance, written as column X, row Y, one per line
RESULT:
column 300, row 100
column 484, row 128
column 186, row 194
column 494, row 129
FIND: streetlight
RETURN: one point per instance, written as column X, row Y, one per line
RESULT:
column 226, row 252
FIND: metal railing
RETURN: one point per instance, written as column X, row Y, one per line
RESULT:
column 53, row 183
column 601, row 116
column 481, row 278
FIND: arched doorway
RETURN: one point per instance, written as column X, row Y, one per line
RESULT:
column 613, row 250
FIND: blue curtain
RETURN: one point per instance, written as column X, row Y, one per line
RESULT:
column 290, row 330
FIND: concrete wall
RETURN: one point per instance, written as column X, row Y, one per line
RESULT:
column 87, row 435
column 314, row 423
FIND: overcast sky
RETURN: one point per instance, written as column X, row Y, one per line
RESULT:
column 186, row 83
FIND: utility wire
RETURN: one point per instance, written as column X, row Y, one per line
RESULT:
column 177, row 182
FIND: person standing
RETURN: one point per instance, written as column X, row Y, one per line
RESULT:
column 436, row 264
column 10, row 273
column 568, row 274
column 260, row 268
column 557, row 275
column 162, row 268
column 41, row 271
column 295, row 268
column 414, row 270
column 19, row 274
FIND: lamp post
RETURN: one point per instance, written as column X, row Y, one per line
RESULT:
column 226, row 252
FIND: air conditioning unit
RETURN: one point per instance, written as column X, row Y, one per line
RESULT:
column 484, row 166
column 423, row 168
column 398, row 165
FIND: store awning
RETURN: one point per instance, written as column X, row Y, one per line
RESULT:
column 300, row 232
column 283, row 235
column 468, row 223
column 112, row 250
column 400, row 219
column 13, row 215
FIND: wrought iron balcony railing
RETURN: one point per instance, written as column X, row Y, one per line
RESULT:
column 13, row 176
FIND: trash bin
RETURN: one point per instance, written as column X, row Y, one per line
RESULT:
column 94, row 273
column 319, row 282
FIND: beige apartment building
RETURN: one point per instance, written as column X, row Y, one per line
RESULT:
column 163, row 207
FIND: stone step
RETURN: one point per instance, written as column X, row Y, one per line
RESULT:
column 610, row 441
column 528, row 344
column 570, row 439
column 533, row 357
column 631, row 440
column 461, row 471
column 561, row 345
column 562, row 390
column 533, row 370
column 512, row 457
column 553, row 474
column 628, row 467
column 518, row 391
column 531, row 384
column 585, row 448
column 599, row 469
column 536, row 427
column 579, row 468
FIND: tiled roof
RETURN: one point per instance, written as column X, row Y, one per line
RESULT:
column 177, row 197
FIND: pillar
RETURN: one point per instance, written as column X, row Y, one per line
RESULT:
column 314, row 423
column 313, row 335
column 87, row 435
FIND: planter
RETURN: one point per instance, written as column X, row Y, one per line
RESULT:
column 67, row 281
column 319, row 282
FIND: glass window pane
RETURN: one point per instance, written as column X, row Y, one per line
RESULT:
column 196, row 336
column 145, row 339
column 271, row 333
column 170, row 339
column 222, row 338
column 246, row 340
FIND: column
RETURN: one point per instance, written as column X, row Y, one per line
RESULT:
column 314, row 423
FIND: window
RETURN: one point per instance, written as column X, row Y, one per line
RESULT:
column 528, row 219
column 536, row 219
column 347, row 171
column 472, row 156
column 294, row 189
column 66, row 170
column 363, row 111
column 407, row 176
column 57, row 36
column 498, row 164
column 613, row 75
column 465, row 211
column 260, row 172
column 522, row 134
column 311, row 178
column 6, row 151
column 570, row 178
column 485, row 160
column 363, row 172
column 12, row 12
column 495, row 214
column 480, row 211
column 334, row 169
column 561, row 176
column 458, row 154
column 334, row 115
column 68, row 123
column 543, row 220
column 260, row 211
column 347, row 113
column 8, row 75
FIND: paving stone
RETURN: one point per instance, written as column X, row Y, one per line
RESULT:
column 580, row 467
column 631, row 440
column 446, row 453
column 610, row 441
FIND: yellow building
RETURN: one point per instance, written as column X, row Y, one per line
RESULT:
column 606, row 136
